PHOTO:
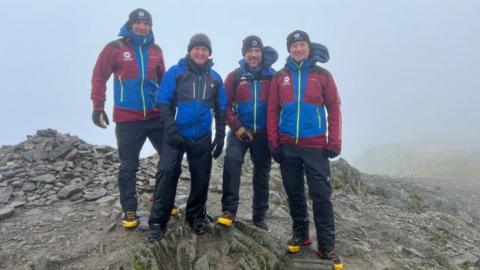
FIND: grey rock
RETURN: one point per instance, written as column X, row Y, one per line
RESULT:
column 6, row 212
column 5, row 194
column 16, row 204
column 201, row 263
column 106, row 200
column 60, row 151
column 43, row 263
column 465, row 217
column 39, row 170
column 280, row 213
column 76, row 197
column 67, row 191
column 58, row 166
column 29, row 186
column 466, row 259
column 46, row 178
column 71, row 155
column 94, row 194
column 33, row 198
column 17, row 184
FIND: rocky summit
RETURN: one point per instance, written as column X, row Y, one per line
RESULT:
column 59, row 209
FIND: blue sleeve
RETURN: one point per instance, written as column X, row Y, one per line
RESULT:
column 167, row 87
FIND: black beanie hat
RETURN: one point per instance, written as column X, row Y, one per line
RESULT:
column 251, row 42
column 295, row 36
column 200, row 40
column 139, row 14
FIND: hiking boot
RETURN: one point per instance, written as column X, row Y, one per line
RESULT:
column 261, row 225
column 296, row 242
column 331, row 256
column 199, row 227
column 157, row 232
column 130, row 220
column 227, row 219
column 174, row 211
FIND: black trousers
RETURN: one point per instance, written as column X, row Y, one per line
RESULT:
column 296, row 162
column 232, row 171
column 200, row 165
column 130, row 139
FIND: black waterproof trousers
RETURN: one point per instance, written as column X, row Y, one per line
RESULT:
column 130, row 139
column 232, row 171
column 297, row 161
column 199, row 163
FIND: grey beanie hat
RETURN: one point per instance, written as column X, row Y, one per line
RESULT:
column 200, row 40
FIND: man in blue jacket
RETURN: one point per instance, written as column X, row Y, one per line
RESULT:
column 247, row 93
column 192, row 89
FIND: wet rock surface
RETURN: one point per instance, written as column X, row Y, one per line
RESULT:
column 59, row 209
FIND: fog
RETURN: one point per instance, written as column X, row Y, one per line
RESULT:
column 406, row 70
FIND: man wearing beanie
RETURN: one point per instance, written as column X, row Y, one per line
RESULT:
column 304, row 131
column 247, row 92
column 138, row 67
column 187, row 95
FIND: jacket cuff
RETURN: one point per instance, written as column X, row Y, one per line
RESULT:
column 98, row 105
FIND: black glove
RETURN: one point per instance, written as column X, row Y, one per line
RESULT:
column 100, row 119
column 217, row 146
column 277, row 155
column 329, row 154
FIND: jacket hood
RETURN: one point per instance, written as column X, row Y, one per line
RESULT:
column 135, row 39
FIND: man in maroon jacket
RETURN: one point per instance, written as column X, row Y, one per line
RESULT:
column 138, row 66
column 302, row 138
column 247, row 93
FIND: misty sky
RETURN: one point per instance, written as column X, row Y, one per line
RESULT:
column 405, row 70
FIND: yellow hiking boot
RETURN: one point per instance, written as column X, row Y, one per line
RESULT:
column 174, row 211
column 295, row 243
column 226, row 219
column 130, row 220
column 331, row 256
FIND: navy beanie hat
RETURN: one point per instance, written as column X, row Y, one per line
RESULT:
column 139, row 14
column 295, row 36
column 251, row 42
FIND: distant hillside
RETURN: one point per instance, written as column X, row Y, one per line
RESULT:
column 420, row 159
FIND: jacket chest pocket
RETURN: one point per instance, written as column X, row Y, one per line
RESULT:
column 285, row 94
column 208, row 91
column 128, row 65
column 242, row 93
column 313, row 91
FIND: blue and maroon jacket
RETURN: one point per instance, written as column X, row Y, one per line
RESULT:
column 300, row 97
column 191, row 95
column 138, row 67
column 247, row 95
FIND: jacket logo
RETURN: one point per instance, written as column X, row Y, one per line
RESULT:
column 127, row 56
column 286, row 80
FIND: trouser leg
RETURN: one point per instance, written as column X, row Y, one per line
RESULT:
column 167, row 184
column 317, row 169
column 292, row 175
column 200, row 165
column 232, row 170
column 130, row 138
column 261, row 173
